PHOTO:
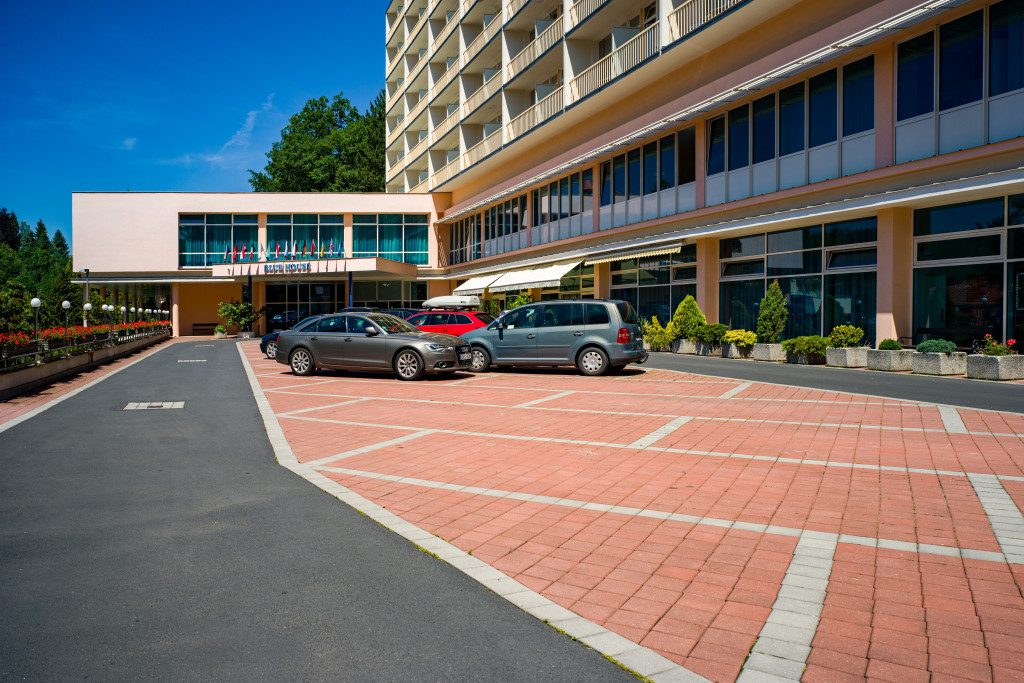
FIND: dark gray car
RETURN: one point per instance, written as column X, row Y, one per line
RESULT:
column 371, row 341
column 597, row 336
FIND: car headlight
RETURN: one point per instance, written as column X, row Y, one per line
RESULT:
column 438, row 347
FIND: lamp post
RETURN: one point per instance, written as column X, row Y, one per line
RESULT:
column 132, row 309
column 85, row 296
column 148, row 311
column 36, row 303
column 87, row 307
column 124, row 316
column 65, row 305
column 105, row 309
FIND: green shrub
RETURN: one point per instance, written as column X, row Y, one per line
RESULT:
column 740, row 338
column 936, row 346
column 220, row 329
column 657, row 337
column 812, row 345
column 239, row 314
column 845, row 336
column 520, row 300
column 771, row 319
column 711, row 334
column 687, row 317
column 889, row 345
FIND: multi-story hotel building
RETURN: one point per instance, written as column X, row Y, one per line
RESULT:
column 867, row 154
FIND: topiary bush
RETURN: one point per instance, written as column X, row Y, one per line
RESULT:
column 889, row 345
column 771, row 320
column 711, row 334
column 740, row 338
column 657, row 337
column 687, row 317
column 845, row 336
column 936, row 346
column 812, row 345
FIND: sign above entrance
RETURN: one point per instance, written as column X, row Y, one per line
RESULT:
column 272, row 269
column 304, row 267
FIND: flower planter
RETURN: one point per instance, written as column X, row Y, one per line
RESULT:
column 769, row 352
column 245, row 334
column 220, row 335
column 707, row 348
column 805, row 358
column 939, row 363
column 736, row 351
column 1000, row 368
column 684, row 346
column 847, row 357
column 890, row 361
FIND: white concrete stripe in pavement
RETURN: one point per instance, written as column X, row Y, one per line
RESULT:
column 535, row 401
column 1003, row 514
column 370, row 448
column 660, row 433
column 325, row 407
column 951, row 420
column 635, row 657
column 736, row 389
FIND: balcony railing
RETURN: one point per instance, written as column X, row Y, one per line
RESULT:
column 693, row 14
column 446, row 31
column 416, row 109
column 579, row 12
column 636, row 50
column 513, row 7
column 478, row 43
column 396, row 169
column 445, row 126
column 482, row 94
column 444, row 80
column 482, row 148
column 535, row 115
column 465, row 7
column 420, row 187
column 393, row 135
column 446, row 172
column 551, row 35
column 418, row 149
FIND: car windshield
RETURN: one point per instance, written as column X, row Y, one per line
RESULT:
column 484, row 318
column 391, row 324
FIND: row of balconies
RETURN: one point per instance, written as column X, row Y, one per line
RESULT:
column 451, row 107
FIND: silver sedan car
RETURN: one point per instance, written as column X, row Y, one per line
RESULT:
column 371, row 341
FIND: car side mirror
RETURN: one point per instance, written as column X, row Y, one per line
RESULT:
column 372, row 331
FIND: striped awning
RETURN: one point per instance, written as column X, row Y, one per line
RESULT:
column 634, row 253
column 476, row 285
column 530, row 278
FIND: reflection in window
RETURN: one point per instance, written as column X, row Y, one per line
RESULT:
column 823, row 108
column 739, row 303
column 961, row 61
column 791, row 119
column 977, row 215
column 716, row 146
column 739, row 140
column 859, row 96
column 915, row 77
column 687, row 156
column 668, row 162
column 764, row 129
column 849, row 299
column 1006, row 47
column 957, row 298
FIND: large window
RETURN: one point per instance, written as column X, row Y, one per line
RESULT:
column 305, row 236
column 859, row 96
column 1006, row 47
column 961, row 61
column 656, row 285
column 212, row 238
column 915, row 75
column 395, row 236
column 464, row 240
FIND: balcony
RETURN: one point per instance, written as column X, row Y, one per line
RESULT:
column 418, row 149
column 444, row 80
column 481, row 40
column 513, row 8
column 693, row 14
column 581, row 10
column 544, row 42
column 445, row 126
column 482, row 94
column 417, row 109
column 395, row 132
column 446, row 173
column 482, row 149
column 535, row 115
column 446, row 31
column 634, row 52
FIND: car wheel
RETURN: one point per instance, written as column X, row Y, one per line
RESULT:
column 409, row 365
column 301, row 362
column 481, row 360
column 592, row 361
column 271, row 350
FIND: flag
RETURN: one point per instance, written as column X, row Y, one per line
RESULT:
column 295, row 248
column 330, row 250
column 234, row 253
column 312, row 249
column 322, row 250
column 277, row 251
column 303, row 248
column 243, row 251
column 227, row 254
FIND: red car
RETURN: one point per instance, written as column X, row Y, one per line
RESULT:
column 450, row 322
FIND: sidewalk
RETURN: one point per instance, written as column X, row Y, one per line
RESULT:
column 742, row 530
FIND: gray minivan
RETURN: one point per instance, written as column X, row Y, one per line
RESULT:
column 595, row 335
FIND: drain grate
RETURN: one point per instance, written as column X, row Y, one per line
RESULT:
column 192, row 361
column 155, row 405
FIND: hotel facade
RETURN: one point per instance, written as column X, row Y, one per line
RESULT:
column 868, row 155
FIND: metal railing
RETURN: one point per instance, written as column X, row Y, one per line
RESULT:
column 538, row 113
column 442, row 128
column 482, row 148
column 579, row 12
column 40, row 351
column 634, row 51
column 693, row 14
column 481, row 95
column 551, row 35
column 446, row 172
column 474, row 48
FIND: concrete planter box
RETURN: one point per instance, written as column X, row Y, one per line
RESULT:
column 245, row 334
column 804, row 358
column 770, row 352
column 939, row 363
column 220, row 335
column 684, row 346
column 1000, row 368
column 736, row 351
column 707, row 348
column 847, row 357
column 890, row 361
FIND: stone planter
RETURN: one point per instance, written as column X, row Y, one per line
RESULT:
column 939, row 363
column 736, row 351
column 847, row 357
column 770, row 352
column 890, row 361
column 684, row 346
column 245, row 334
column 1001, row 368
column 220, row 335
column 804, row 358
column 707, row 348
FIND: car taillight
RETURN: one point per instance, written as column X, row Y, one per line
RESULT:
column 623, row 335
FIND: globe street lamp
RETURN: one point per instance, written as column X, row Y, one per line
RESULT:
column 87, row 307
column 124, row 316
column 36, row 303
column 65, row 305
column 105, row 309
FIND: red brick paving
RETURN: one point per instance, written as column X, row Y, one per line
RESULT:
column 695, row 593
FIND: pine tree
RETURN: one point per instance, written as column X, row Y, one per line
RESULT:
column 9, row 229
column 687, row 317
column 60, row 246
column 771, row 320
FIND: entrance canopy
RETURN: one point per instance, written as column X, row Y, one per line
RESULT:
column 529, row 278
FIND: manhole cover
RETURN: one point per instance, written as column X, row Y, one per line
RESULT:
column 155, row 405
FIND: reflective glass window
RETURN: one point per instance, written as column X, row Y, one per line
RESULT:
column 716, row 146
column 959, row 297
column 851, row 232
column 606, row 183
column 823, row 105
column 650, row 152
column 687, row 155
column 961, row 61
column 977, row 215
column 804, row 303
column 852, row 258
column 635, row 175
column 739, row 302
column 794, row 263
column 739, row 137
column 588, row 190
column 668, row 162
column 791, row 240
column 764, row 129
column 619, row 176
column 968, row 247
column 791, row 119
column 915, row 77
column 751, row 245
column 1006, row 47
column 859, row 96
column 743, row 268
column 850, row 300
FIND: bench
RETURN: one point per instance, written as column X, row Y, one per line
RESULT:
column 201, row 329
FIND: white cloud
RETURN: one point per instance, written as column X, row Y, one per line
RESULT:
column 235, row 150
column 129, row 143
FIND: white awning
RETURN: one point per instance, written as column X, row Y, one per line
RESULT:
column 634, row 254
column 476, row 285
column 528, row 278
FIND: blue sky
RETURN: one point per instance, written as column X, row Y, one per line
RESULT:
column 183, row 96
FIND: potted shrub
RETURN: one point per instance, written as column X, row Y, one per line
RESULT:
column 659, row 338
column 996, row 361
column 240, row 315
column 890, row 356
column 738, row 344
column 809, row 350
column 687, row 317
column 771, row 322
column 220, row 332
column 708, row 338
column 938, row 357
column 844, row 349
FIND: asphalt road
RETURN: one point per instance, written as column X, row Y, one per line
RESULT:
column 1006, row 396
column 170, row 545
